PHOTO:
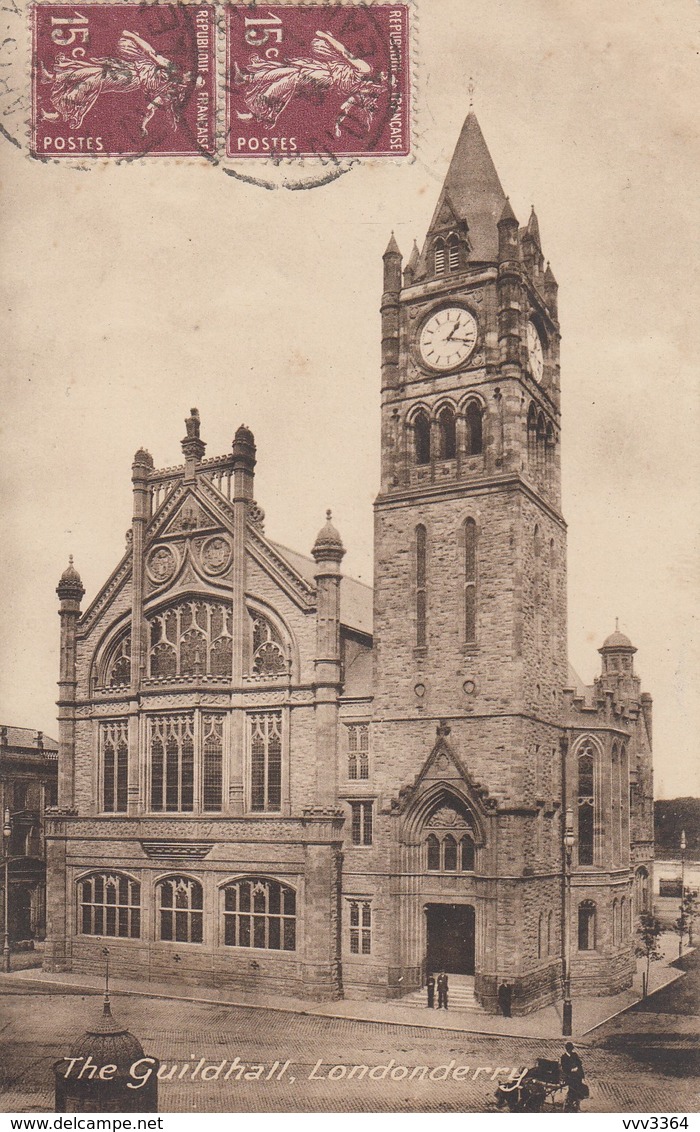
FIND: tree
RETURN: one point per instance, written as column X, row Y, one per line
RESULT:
column 649, row 931
column 690, row 908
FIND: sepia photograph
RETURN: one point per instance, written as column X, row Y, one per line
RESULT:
column 348, row 650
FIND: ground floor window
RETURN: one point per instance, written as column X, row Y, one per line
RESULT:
column 360, row 927
column 260, row 913
column 109, row 904
column 361, row 827
column 586, row 926
column 180, row 904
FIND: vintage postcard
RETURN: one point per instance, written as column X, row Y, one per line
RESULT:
column 349, row 606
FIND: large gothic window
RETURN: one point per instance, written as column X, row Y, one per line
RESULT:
column 586, row 805
column 268, row 653
column 180, row 910
column 114, row 755
column 186, row 762
column 260, row 913
column 119, row 666
column 474, row 421
column 265, row 739
column 470, row 605
column 421, row 436
column 448, row 434
column 421, row 586
column 449, row 844
column 192, row 638
column 109, row 904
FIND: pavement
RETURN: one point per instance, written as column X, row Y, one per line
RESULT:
column 589, row 1013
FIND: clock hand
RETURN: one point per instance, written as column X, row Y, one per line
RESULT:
column 452, row 333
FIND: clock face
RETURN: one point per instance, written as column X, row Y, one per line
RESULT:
column 534, row 351
column 448, row 338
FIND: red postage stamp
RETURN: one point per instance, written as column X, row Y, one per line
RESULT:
column 118, row 80
column 331, row 80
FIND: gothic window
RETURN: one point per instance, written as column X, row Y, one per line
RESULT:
column 171, row 746
column 541, row 444
column 119, row 669
column 475, row 432
column 268, row 653
column 448, row 435
column 212, row 761
column 453, row 253
column 532, row 439
column 421, row 436
column 550, row 936
column 586, row 926
column 360, row 927
column 358, row 750
column 549, row 452
column 361, row 814
column 615, row 926
column 470, row 581
column 440, row 259
column 641, row 891
column 586, row 805
column 260, row 913
column 449, row 844
column 109, row 904
column 421, row 586
column 541, row 929
column 624, row 918
column 265, row 738
column 537, row 586
column 114, row 751
column 180, row 915
column 192, row 638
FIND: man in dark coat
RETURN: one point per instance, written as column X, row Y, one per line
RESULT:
column 572, row 1072
column 430, row 987
column 505, row 999
column 442, row 990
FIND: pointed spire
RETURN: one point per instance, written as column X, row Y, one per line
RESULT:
column 533, row 228
column 410, row 268
column 549, row 276
column 392, row 248
column 473, row 192
column 507, row 214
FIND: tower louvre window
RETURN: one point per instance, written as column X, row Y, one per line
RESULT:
column 470, row 604
column 474, row 422
column 440, row 257
column 265, row 728
column 453, row 256
column 586, row 806
column 114, row 749
column 448, row 435
column 421, row 586
column 421, row 433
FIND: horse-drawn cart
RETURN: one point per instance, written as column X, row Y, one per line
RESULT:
column 541, row 1086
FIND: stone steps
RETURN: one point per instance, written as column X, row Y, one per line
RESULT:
column 460, row 996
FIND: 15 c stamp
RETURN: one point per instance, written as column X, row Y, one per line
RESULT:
column 122, row 80
column 317, row 81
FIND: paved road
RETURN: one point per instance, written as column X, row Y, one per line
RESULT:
column 37, row 1028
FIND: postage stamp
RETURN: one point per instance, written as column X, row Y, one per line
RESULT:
column 318, row 81
column 121, row 80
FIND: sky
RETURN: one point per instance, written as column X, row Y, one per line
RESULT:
column 133, row 292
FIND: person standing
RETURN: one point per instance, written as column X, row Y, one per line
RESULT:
column 505, row 999
column 430, row 987
column 572, row 1072
column 442, row 988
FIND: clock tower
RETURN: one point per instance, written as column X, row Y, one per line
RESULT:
column 470, row 597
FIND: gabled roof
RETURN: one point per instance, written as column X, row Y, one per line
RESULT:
column 27, row 737
column 356, row 604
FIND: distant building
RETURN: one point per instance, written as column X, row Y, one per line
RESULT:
column 273, row 776
column 28, row 784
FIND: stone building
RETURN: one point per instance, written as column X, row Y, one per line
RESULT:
column 28, row 784
column 273, row 776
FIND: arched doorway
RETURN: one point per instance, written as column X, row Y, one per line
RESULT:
column 450, row 938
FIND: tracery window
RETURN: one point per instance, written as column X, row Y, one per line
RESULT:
column 586, row 926
column 449, row 845
column 268, row 652
column 119, row 673
column 186, row 762
column 109, row 904
column 586, row 805
column 265, row 739
column 470, row 581
column 360, row 927
column 192, row 638
column 421, row 436
column 212, row 761
column 114, row 755
column 358, row 750
column 260, row 913
column 180, row 910
column 448, row 434
column 475, row 432
column 421, row 586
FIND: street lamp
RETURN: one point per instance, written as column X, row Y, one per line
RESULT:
column 567, row 1016
column 6, row 833
column 682, row 919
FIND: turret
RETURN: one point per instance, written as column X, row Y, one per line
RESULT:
column 617, row 652
column 509, row 286
column 532, row 246
column 193, row 446
column 328, row 552
column 140, row 472
column 243, row 457
column 410, row 269
column 70, row 592
column 551, row 292
column 390, row 313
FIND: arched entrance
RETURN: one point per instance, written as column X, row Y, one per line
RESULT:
column 450, row 938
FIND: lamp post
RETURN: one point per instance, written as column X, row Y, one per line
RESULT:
column 682, row 920
column 567, row 1016
column 6, row 832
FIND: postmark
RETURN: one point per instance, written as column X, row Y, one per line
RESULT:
column 324, row 81
column 122, row 80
